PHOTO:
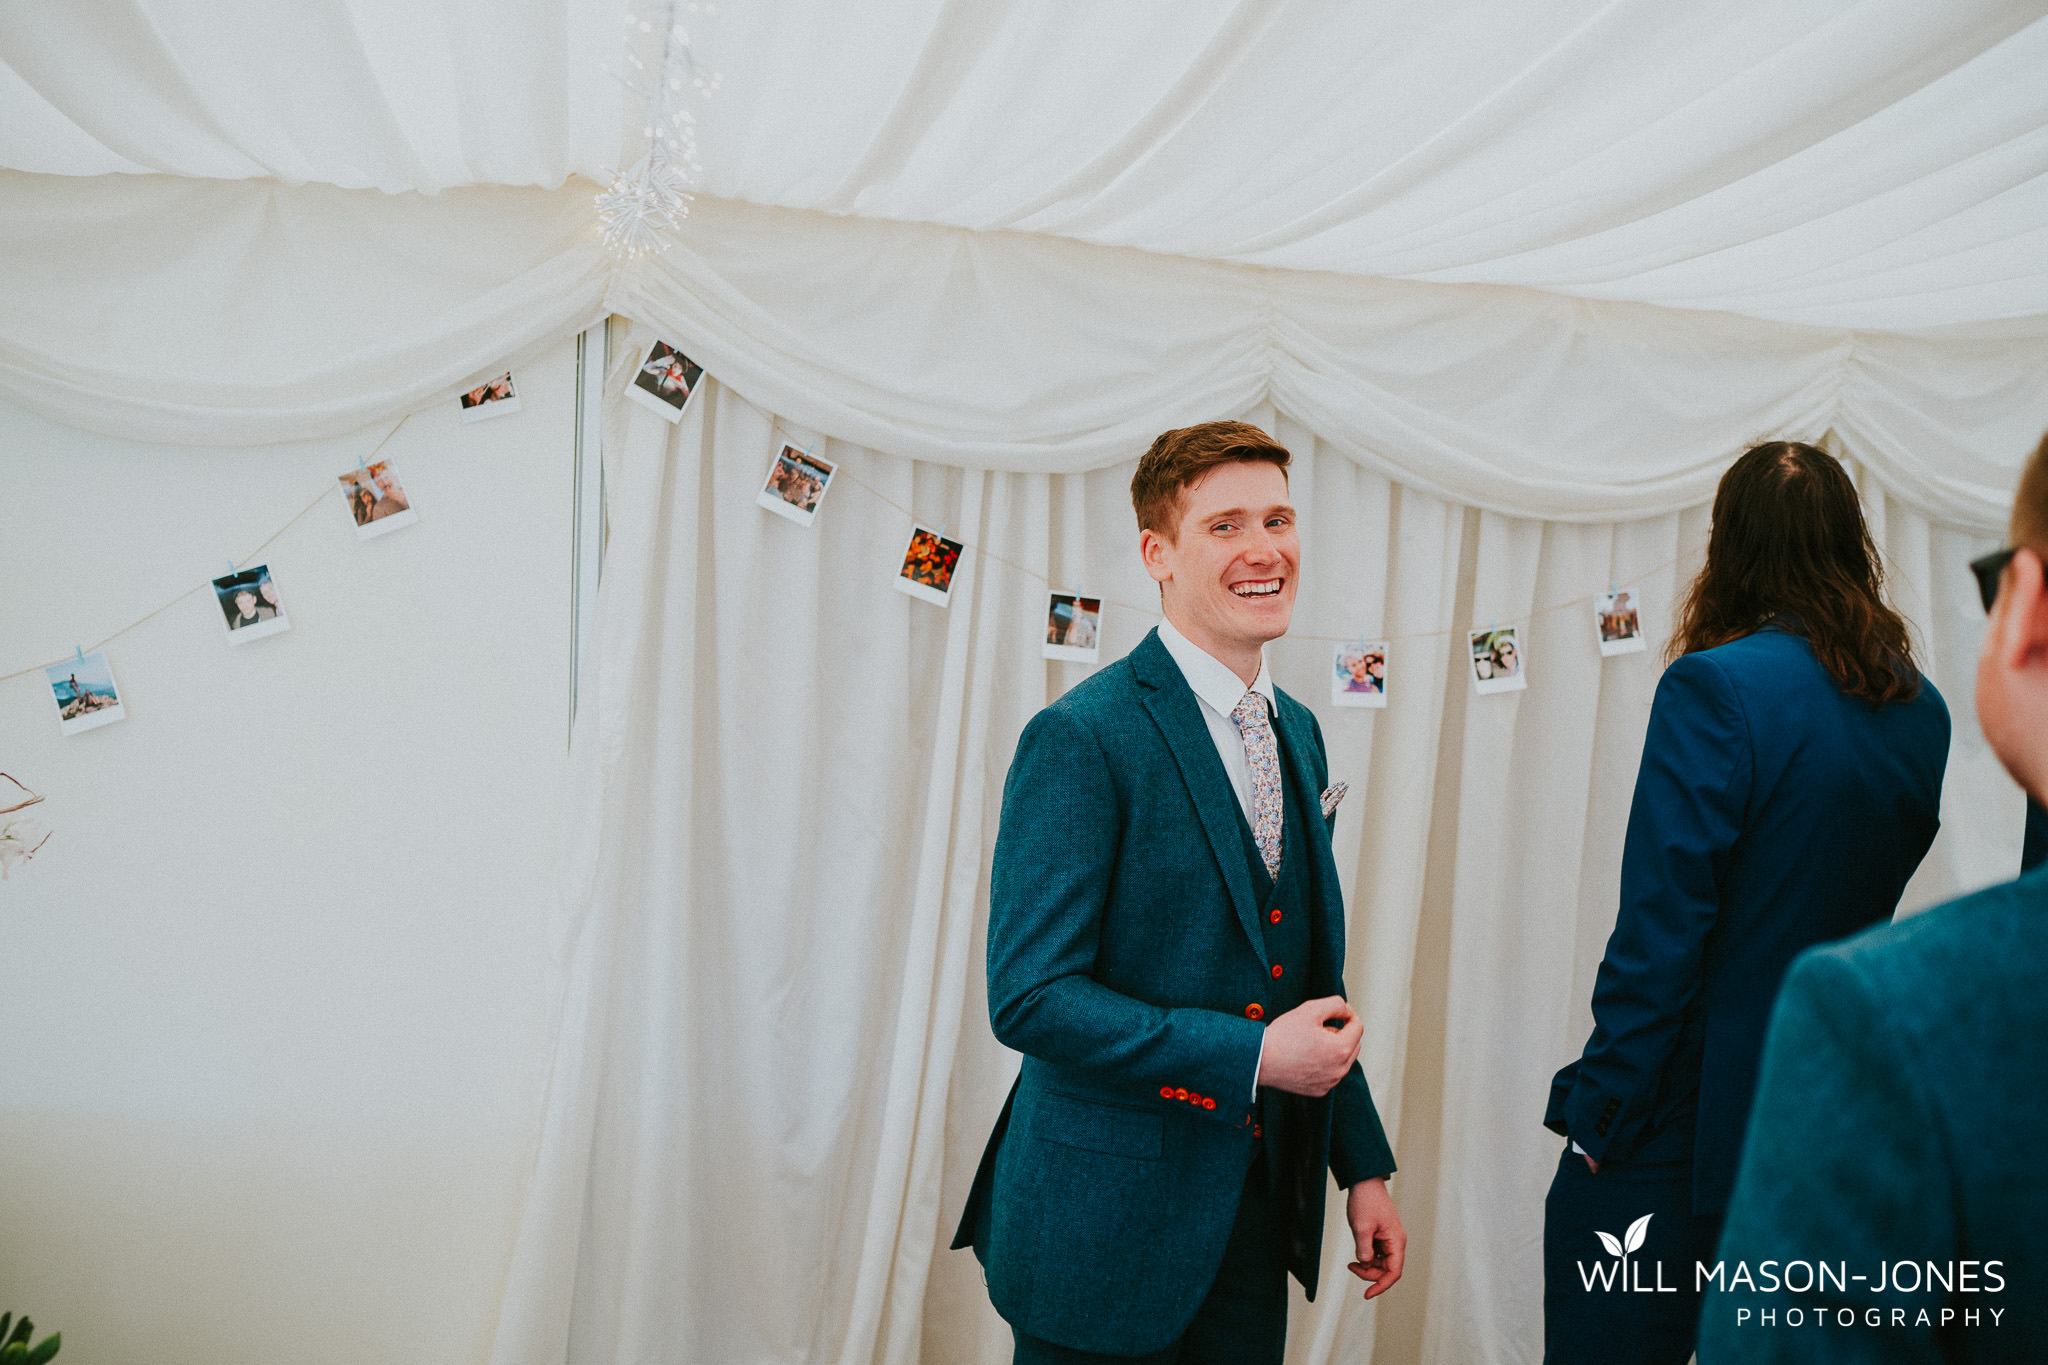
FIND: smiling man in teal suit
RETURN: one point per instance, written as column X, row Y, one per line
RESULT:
column 1166, row 947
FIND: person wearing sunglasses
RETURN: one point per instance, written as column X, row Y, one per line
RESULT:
column 1790, row 785
column 2034, row 840
column 1905, row 1083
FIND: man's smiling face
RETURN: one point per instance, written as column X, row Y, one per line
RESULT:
column 1228, row 577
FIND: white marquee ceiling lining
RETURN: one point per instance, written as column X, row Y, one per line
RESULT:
column 1880, row 164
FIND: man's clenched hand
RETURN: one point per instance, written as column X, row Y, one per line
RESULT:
column 1304, row 1057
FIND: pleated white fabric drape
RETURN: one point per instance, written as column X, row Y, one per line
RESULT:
column 772, row 1068
column 249, row 312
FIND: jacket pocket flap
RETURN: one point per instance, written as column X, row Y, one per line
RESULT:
column 1094, row 1127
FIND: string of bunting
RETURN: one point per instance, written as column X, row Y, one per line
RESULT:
column 1359, row 665
column 146, row 618
column 798, row 480
column 1583, row 599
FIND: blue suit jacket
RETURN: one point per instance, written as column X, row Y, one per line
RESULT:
column 1771, row 813
column 1899, row 1118
column 1123, row 951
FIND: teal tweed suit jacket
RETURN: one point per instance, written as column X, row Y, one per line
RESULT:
column 1898, row 1132
column 1124, row 954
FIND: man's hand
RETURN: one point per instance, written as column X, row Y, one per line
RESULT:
column 1376, row 1229
column 1302, row 1056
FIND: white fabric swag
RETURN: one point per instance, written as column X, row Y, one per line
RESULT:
column 242, row 312
column 772, row 1068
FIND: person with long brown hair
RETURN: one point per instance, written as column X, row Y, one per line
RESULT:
column 1790, row 785
column 1904, row 1083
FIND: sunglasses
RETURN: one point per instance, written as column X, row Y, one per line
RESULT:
column 1989, row 570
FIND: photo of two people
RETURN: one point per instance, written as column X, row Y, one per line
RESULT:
column 1497, row 660
column 376, row 500
column 250, row 602
column 492, row 398
column 1358, row 674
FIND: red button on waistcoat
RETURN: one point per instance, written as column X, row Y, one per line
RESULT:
column 1254, row 1011
column 1208, row 1104
column 1257, row 1131
column 1165, row 1092
column 1179, row 1093
column 1275, row 917
column 1276, row 969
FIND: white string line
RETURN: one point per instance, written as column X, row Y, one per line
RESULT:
column 362, row 462
column 841, row 472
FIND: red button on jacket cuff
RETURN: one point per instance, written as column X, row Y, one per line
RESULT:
column 1254, row 1011
column 1165, row 1092
column 1208, row 1104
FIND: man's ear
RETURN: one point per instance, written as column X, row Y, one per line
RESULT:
column 2025, row 635
column 1152, row 550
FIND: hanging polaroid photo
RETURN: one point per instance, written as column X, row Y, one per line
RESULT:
column 494, row 398
column 666, row 380
column 1620, row 622
column 796, row 485
column 1358, row 674
column 375, row 500
column 85, row 692
column 1073, row 627
column 929, row 564
column 1497, row 660
column 249, row 601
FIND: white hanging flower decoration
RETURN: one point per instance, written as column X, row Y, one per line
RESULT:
column 643, row 205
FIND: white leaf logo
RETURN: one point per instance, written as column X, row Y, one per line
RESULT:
column 1607, row 1240
column 1637, row 1231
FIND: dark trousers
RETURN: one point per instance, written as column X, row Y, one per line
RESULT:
column 1591, row 1313
column 1242, row 1321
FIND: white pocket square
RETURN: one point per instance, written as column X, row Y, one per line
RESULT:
column 1332, row 796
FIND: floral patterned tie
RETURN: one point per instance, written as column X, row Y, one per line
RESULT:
column 1264, row 757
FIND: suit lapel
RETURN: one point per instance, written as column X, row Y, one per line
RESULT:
column 1179, row 717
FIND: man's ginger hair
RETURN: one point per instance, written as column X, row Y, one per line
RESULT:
column 2030, row 504
column 1179, row 458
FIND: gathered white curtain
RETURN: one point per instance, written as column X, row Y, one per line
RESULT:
column 219, row 312
column 773, row 1072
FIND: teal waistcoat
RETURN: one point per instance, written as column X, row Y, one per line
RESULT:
column 1289, row 940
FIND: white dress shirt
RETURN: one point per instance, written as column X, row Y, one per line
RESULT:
column 1218, row 690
